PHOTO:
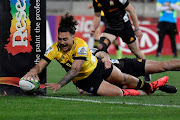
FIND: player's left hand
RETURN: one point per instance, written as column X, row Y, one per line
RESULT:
column 138, row 34
column 53, row 86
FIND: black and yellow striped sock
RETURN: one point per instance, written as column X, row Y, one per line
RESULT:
column 143, row 85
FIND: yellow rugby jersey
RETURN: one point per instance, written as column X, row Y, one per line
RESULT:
column 79, row 50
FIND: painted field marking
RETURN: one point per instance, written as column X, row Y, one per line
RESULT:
column 125, row 103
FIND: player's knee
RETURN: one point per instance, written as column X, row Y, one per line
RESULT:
column 136, row 51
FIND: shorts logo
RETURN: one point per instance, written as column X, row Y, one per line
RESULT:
column 91, row 89
column 20, row 38
column 148, row 43
column 131, row 39
column 82, row 51
column 140, row 60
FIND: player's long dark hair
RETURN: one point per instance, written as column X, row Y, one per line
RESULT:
column 67, row 24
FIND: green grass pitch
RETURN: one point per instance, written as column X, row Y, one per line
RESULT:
column 68, row 104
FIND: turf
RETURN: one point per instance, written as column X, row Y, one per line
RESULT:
column 66, row 103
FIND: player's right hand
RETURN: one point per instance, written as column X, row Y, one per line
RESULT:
column 32, row 74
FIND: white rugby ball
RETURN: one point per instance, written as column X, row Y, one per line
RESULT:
column 30, row 85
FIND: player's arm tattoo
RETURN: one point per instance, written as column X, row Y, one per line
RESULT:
column 68, row 77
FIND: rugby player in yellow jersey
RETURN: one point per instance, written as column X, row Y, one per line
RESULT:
column 86, row 71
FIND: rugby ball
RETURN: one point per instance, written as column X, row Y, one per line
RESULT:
column 30, row 85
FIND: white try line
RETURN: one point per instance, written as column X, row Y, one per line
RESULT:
column 125, row 103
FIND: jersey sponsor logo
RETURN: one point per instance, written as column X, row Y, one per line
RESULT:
column 48, row 50
column 20, row 38
column 82, row 51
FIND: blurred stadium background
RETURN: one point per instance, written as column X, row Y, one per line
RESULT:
column 145, row 10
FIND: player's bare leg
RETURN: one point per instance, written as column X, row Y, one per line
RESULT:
column 107, row 89
column 161, row 66
column 134, row 47
column 117, row 77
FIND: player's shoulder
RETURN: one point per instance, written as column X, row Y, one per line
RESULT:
column 79, row 45
column 53, row 48
column 55, row 45
column 79, row 41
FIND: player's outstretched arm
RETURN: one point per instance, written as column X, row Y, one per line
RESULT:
column 37, row 69
column 76, row 67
